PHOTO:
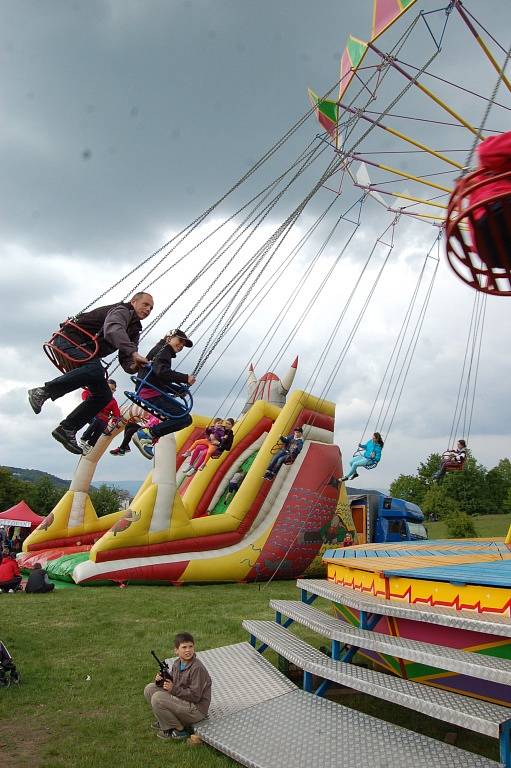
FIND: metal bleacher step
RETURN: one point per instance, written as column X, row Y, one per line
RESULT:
column 463, row 711
column 449, row 617
column 450, row 659
column 301, row 730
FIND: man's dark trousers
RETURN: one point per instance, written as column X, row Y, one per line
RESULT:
column 90, row 375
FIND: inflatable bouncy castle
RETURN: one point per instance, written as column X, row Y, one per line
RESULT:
column 190, row 529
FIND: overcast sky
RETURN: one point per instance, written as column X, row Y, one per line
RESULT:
column 124, row 120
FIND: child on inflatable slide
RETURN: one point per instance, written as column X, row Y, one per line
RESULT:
column 201, row 450
column 162, row 376
column 292, row 445
column 218, row 438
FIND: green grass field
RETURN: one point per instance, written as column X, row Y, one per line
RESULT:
column 58, row 718
column 485, row 525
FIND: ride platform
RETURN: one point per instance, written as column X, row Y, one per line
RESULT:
column 452, row 592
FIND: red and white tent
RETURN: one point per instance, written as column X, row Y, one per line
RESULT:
column 20, row 516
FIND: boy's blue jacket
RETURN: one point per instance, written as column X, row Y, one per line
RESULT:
column 292, row 445
column 372, row 450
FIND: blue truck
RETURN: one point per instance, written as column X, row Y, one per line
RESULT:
column 380, row 518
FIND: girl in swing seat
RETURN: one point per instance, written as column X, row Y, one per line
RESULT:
column 451, row 460
column 162, row 376
column 371, row 454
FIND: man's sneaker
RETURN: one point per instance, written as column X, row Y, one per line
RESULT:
column 68, row 439
column 144, row 442
column 37, row 398
column 86, row 447
column 120, row 451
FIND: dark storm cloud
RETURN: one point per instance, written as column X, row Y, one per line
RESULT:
column 122, row 120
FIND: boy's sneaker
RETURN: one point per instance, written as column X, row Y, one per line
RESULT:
column 179, row 734
column 354, row 476
column 86, row 447
column 68, row 439
column 144, row 443
column 173, row 734
column 37, row 398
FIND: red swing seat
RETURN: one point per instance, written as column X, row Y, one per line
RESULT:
column 454, row 466
column 83, row 348
column 483, row 263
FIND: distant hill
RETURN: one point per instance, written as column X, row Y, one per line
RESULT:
column 131, row 486
column 33, row 475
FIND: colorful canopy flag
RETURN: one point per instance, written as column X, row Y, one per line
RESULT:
column 327, row 113
column 350, row 60
column 385, row 13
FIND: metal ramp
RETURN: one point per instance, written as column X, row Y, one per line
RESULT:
column 262, row 720
column 241, row 678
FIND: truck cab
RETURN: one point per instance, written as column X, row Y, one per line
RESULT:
column 379, row 518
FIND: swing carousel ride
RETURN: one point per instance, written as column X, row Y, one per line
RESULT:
column 244, row 248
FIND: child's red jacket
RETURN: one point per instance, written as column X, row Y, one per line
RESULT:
column 110, row 410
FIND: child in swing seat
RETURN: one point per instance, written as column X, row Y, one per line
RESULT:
column 162, row 376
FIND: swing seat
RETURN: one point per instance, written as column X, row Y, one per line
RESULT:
column 454, row 466
column 370, row 464
column 68, row 353
column 178, row 397
column 478, row 234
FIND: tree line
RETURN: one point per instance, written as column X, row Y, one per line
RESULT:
column 42, row 495
column 473, row 491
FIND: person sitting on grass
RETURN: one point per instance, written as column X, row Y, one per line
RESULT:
column 183, row 700
column 10, row 576
column 38, row 581
column 293, row 444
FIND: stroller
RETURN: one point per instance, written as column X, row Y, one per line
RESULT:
column 8, row 672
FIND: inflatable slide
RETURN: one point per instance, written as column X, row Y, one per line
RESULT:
column 183, row 529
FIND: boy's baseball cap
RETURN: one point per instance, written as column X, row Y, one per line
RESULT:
column 181, row 335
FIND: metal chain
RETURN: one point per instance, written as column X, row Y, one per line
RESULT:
column 487, row 111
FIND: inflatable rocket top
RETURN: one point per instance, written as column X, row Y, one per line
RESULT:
column 269, row 387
